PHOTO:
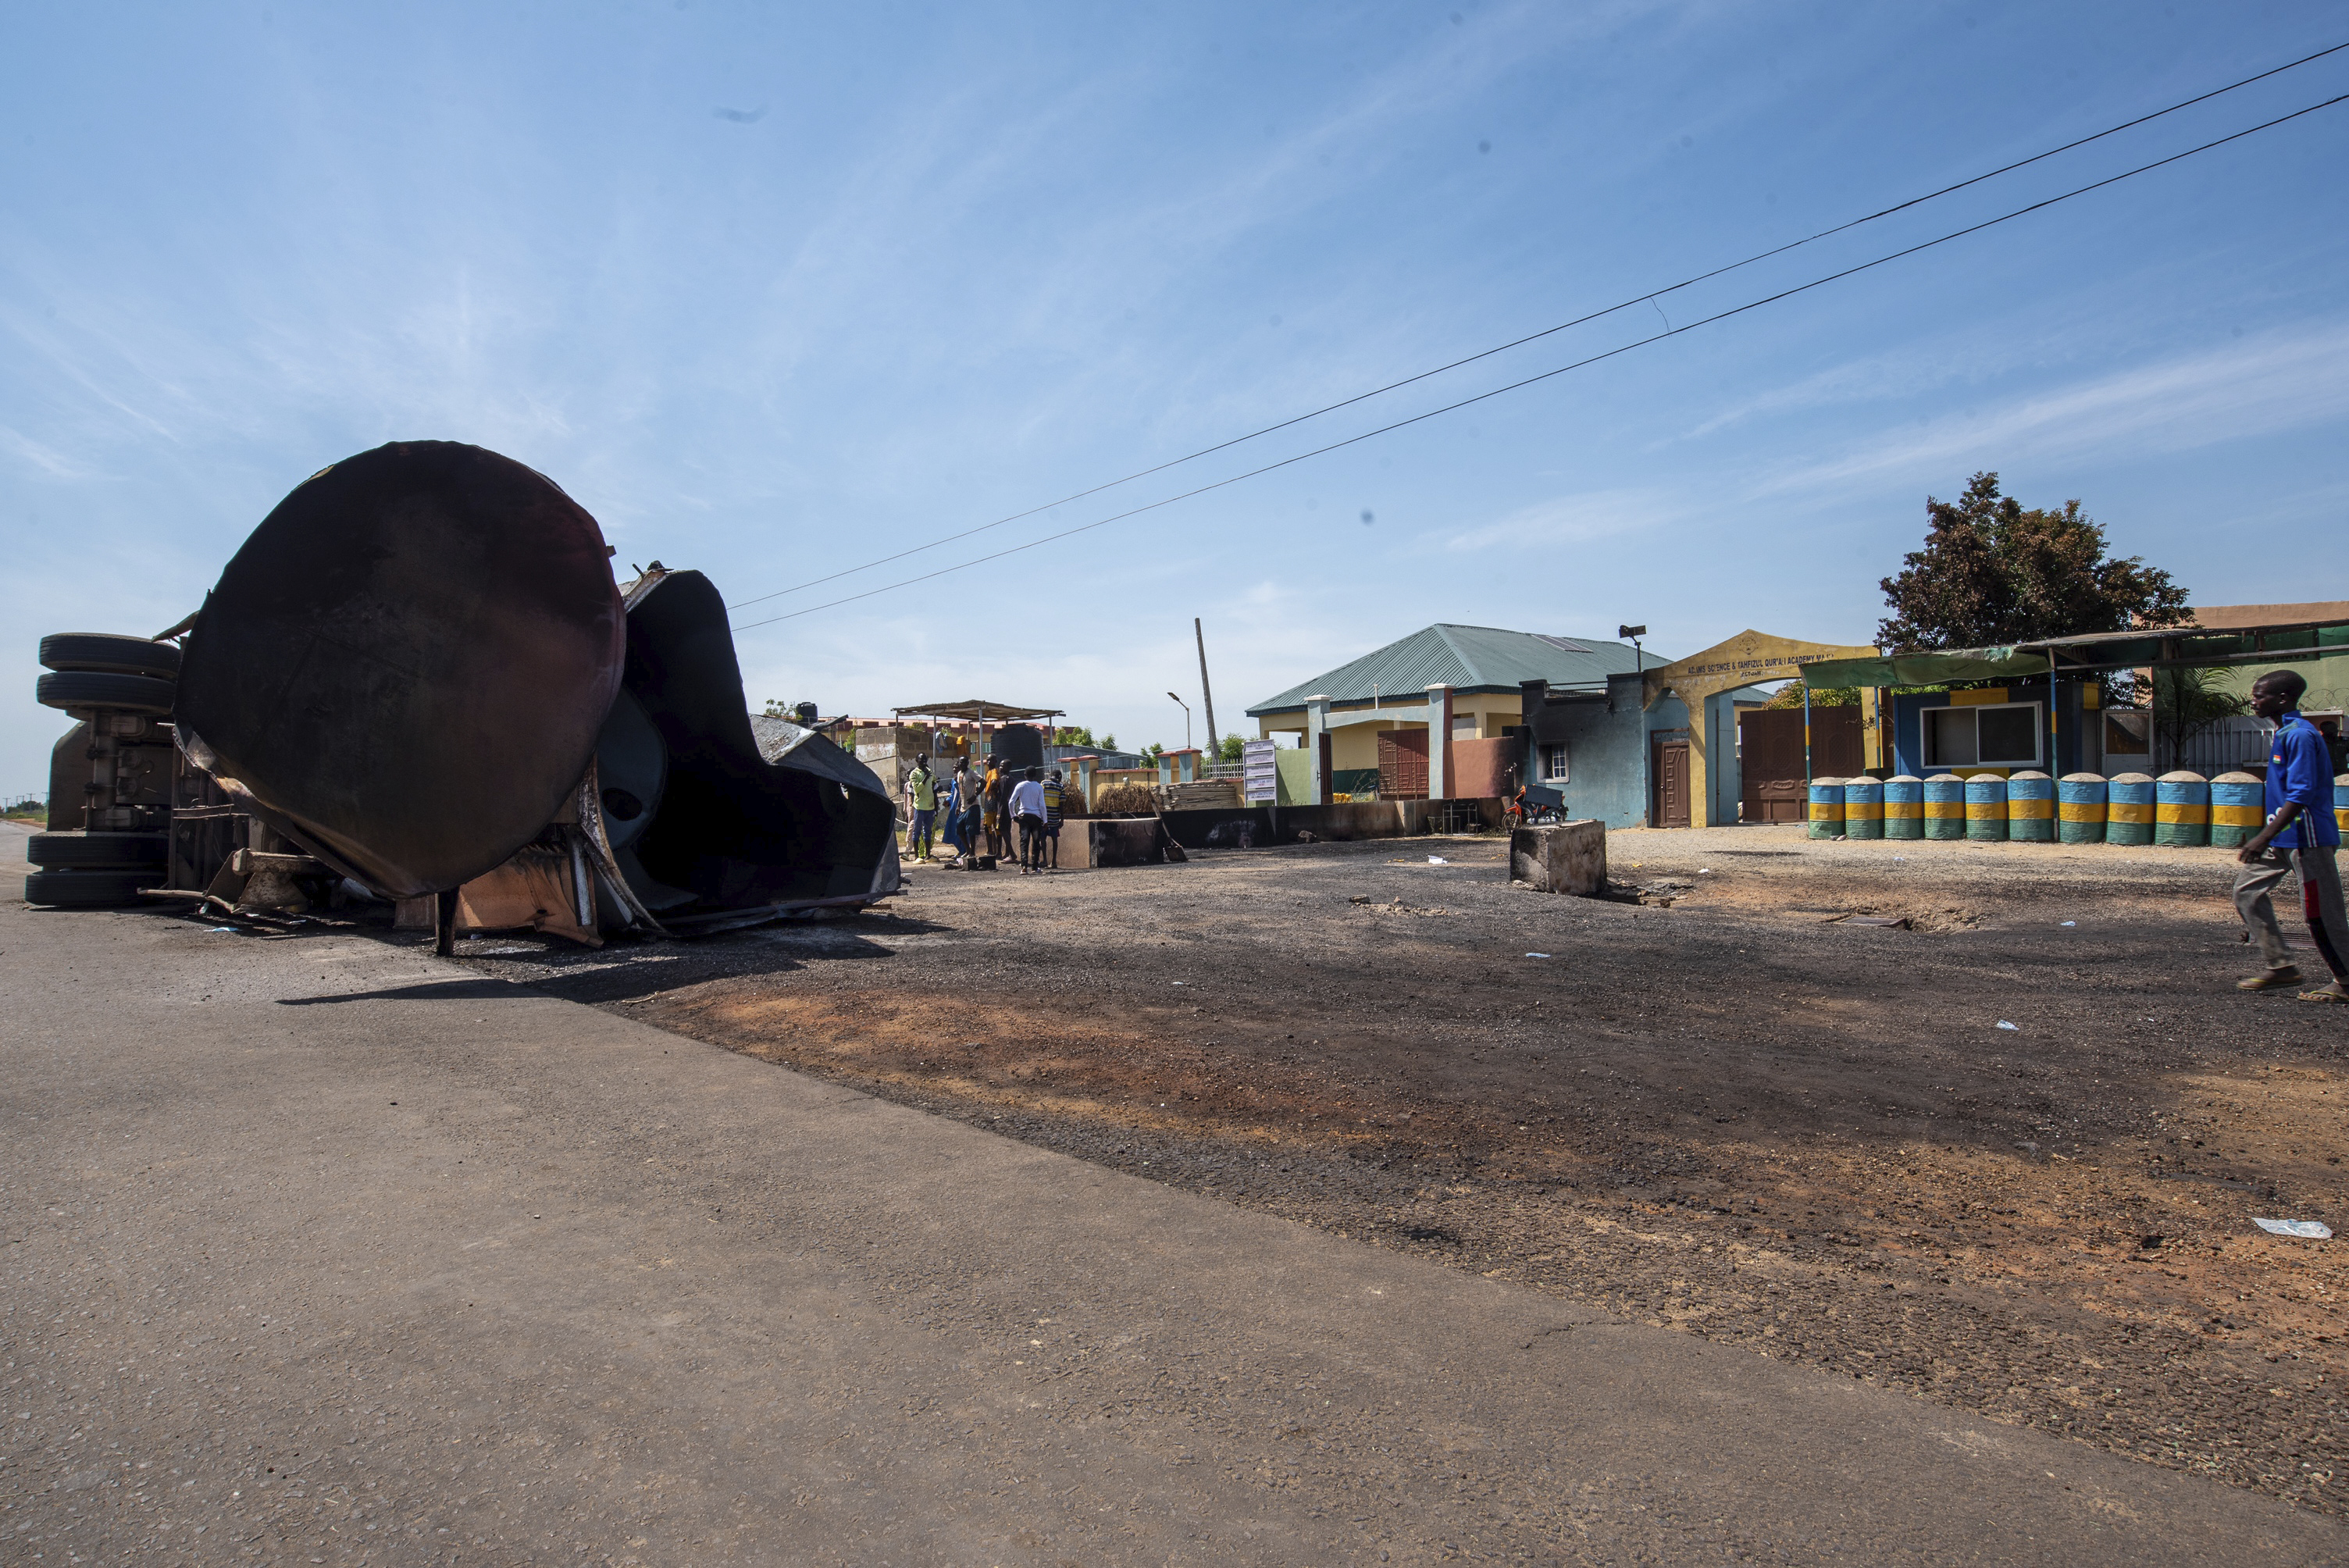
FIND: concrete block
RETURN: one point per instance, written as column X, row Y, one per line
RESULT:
column 1567, row 857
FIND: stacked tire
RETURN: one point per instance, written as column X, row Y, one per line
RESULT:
column 111, row 681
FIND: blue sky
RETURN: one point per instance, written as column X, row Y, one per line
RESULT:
column 775, row 291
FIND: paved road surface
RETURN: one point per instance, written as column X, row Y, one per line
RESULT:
column 314, row 1250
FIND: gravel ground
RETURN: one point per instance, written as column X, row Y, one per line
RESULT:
column 1726, row 1107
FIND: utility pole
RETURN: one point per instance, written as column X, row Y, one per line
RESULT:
column 1215, row 737
column 1186, row 719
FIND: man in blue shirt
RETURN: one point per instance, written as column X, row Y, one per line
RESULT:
column 2300, row 837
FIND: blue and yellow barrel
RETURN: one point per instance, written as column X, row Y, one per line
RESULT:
column 2238, row 808
column 1863, row 807
column 2341, row 803
column 2031, row 807
column 2181, row 809
column 1826, row 808
column 2128, row 809
column 2080, row 809
column 1986, row 807
column 1904, row 807
column 1945, row 807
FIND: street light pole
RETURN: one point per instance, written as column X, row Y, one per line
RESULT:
column 1186, row 719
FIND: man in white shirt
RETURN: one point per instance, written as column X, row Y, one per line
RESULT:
column 1027, row 811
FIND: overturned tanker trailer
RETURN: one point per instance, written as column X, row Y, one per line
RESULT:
column 419, row 671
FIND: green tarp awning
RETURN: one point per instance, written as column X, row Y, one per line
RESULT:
column 1924, row 669
column 2170, row 648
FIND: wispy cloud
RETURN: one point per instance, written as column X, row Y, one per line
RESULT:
column 49, row 461
column 2276, row 382
column 1573, row 520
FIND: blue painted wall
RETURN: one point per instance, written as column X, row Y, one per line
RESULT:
column 1607, row 753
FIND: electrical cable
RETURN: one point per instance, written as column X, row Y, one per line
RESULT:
column 1547, row 375
column 1545, row 331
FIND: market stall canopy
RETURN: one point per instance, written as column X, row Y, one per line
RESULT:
column 976, row 708
column 2168, row 647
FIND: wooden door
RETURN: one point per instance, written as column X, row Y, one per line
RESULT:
column 1671, row 775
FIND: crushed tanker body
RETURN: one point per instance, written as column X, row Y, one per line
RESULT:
column 418, row 676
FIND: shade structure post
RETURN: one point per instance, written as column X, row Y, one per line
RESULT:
column 1806, row 734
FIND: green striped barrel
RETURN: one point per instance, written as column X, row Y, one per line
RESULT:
column 1826, row 808
column 2239, row 808
column 2128, row 810
column 2080, row 809
column 2031, row 807
column 2181, row 809
column 1904, row 807
column 1945, row 807
column 1986, row 807
column 1863, row 807
column 2341, row 803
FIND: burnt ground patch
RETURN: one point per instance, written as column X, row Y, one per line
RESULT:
column 1723, row 1108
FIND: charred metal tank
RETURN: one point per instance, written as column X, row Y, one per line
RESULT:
column 419, row 670
column 404, row 668
column 704, row 824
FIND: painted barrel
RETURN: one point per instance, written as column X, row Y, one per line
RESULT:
column 2341, row 803
column 1904, row 807
column 1863, row 807
column 1986, row 807
column 2181, row 809
column 2128, row 810
column 1826, row 808
column 2238, row 808
column 2080, row 809
column 2031, row 807
column 1945, row 807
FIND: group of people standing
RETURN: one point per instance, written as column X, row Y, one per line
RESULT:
column 980, row 811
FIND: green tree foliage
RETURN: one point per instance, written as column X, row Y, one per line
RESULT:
column 1791, row 695
column 1994, row 573
column 1074, row 735
column 1231, row 749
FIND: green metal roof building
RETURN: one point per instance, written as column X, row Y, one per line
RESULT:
column 1478, row 670
column 1482, row 665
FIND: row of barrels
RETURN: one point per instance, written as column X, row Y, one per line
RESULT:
column 2182, row 808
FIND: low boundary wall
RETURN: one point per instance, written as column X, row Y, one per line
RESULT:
column 1334, row 824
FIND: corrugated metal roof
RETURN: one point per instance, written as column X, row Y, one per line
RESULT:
column 1465, row 659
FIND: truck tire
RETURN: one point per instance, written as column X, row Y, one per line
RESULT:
column 89, row 851
column 93, row 688
column 109, row 654
column 82, row 889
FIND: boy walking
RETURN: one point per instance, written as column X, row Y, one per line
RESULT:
column 2300, row 837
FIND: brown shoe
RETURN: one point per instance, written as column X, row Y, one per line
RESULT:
column 2333, row 993
column 2270, row 980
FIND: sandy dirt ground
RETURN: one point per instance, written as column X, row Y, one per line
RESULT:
column 1726, row 1107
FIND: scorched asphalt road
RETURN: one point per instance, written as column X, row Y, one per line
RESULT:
column 318, row 1249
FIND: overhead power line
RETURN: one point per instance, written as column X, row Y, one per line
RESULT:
column 1545, row 332
column 1547, row 375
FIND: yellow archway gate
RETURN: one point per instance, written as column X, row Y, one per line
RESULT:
column 1740, row 661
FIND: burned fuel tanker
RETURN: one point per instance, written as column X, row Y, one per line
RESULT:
column 419, row 674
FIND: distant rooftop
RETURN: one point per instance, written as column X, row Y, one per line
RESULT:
column 1467, row 659
column 978, row 709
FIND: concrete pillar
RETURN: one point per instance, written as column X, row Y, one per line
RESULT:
column 1317, row 744
column 1700, row 775
column 1439, row 742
